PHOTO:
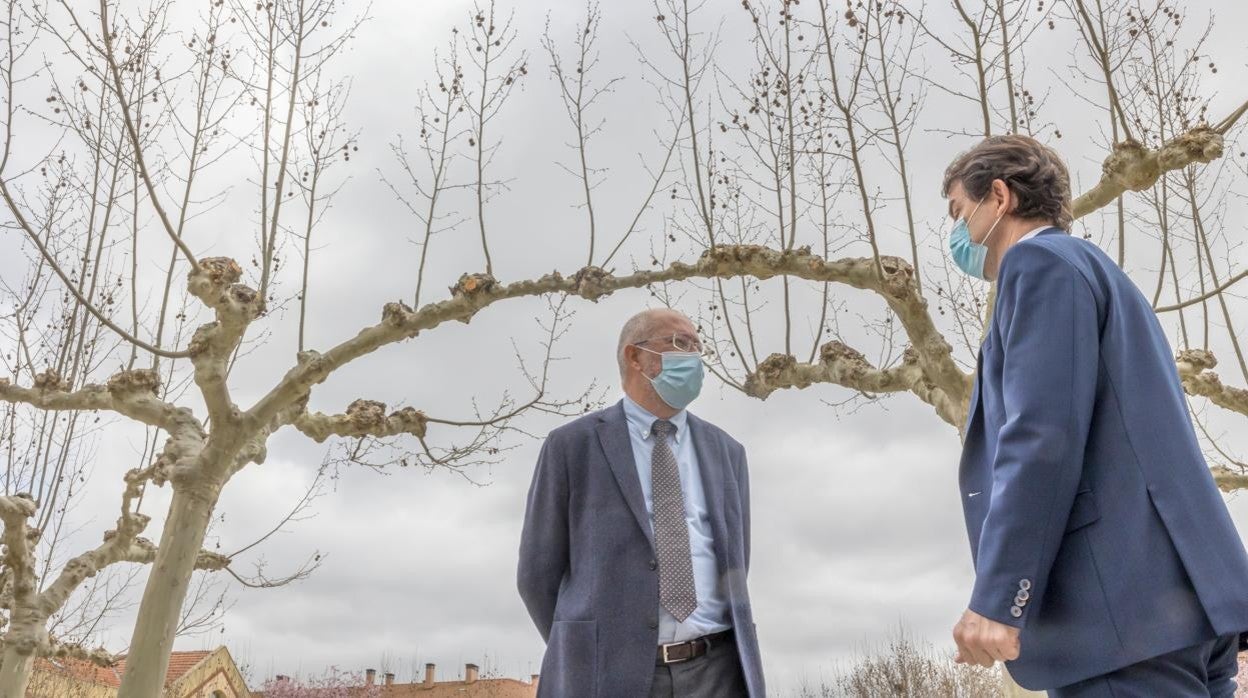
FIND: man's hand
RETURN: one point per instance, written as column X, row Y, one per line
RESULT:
column 982, row 641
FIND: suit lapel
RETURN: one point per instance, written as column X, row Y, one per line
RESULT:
column 613, row 435
column 975, row 390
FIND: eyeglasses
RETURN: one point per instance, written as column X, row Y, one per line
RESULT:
column 680, row 342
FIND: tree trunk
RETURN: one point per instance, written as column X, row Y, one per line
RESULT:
column 180, row 543
column 15, row 673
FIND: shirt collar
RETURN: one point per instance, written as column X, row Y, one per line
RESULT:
column 1035, row 232
column 642, row 421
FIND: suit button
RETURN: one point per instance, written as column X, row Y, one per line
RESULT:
column 654, row 624
column 654, row 565
column 1016, row 611
column 1023, row 596
column 1025, row 585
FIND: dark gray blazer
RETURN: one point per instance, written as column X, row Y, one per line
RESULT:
column 587, row 571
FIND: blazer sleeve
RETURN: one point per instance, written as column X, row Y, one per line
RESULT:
column 544, row 538
column 1048, row 326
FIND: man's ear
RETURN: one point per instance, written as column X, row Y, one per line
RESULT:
column 630, row 355
column 1001, row 191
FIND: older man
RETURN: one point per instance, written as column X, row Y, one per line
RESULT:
column 1106, row 563
column 636, row 539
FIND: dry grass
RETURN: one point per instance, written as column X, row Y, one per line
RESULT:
column 905, row 668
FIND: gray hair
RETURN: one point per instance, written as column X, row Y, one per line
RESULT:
column 639, row 327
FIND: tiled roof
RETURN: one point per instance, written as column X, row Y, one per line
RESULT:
column 81, row 670
column 179, row 664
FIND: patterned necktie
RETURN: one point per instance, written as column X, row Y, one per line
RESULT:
column 671, row 534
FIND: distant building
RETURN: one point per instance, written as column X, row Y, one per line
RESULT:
column 206, row 674
column 471, row 686
column 214, row 675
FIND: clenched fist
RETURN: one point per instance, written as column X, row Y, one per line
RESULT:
column 982, row 641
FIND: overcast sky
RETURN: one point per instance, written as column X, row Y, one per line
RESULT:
column 857, row 523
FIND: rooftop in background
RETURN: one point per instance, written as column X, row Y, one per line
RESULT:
column 179, row 664
column 189, row 674
column 82, row 670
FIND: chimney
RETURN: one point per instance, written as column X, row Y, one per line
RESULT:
column 389, row 678
column 470, row 673
column 370, row 677
column 430, row 674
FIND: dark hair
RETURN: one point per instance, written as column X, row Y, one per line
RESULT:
column 1033, row 172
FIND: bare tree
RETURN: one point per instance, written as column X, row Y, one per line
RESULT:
column 60, row 327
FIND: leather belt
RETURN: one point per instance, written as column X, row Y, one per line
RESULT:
column 677, row 652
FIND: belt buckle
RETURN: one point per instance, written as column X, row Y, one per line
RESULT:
column 668, row 660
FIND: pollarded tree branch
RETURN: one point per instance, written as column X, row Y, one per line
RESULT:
column 474, row 292
column 1133, row 167
column 116, row 546
column 369, row 418
column 1229, row 480
column 130, row 393
column 143, row 552
column 122, row 544
column 839, row 364
column 845, row 366
column 363, row 418
column 17, row 539
column 1198, row 379
column 215, row 283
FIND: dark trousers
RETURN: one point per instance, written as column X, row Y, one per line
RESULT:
column 1207, row 670
column 716, row 674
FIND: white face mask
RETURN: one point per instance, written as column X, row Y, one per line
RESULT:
column 680, row 380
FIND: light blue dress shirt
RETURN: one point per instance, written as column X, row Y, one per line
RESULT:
column 712, row 614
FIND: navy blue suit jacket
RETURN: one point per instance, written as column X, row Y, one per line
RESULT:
column 1094, row 522
column 587, row 566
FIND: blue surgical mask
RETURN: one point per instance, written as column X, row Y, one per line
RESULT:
column 967, row 254
column 680, row 381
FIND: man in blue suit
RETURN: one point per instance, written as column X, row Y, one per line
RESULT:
column 1106, row 563
column 636, row 538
